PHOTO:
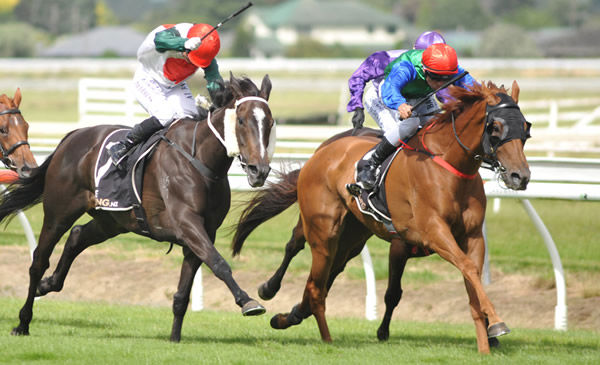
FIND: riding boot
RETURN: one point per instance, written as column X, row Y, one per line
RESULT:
column 367, row 170
column 139, row 133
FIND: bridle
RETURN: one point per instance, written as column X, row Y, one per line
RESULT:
column 241, row 159
column 489, row 142
column 7, row 152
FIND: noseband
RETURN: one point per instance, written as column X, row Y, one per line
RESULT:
column 6, row 152
column 243, row 163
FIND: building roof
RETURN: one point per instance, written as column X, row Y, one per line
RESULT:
column 117, row 40
column 332, row 12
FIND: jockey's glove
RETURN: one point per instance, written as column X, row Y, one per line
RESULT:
column 358, row 118
column 192, row 43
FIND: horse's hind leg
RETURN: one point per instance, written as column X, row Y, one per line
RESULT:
column 190, row 265
column 296, row 243
column 80, row 238
column 399, row 254
column 52, row 231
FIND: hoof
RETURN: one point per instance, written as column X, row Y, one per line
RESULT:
column 265, row 293
column 497, row 330
column 278, row 323
column 493, row 342
column 383, row 335
column 18, row 332
column 253, row 308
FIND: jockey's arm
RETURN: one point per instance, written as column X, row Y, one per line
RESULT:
column 169, row 40
column 391, row 91
column 372, row 67
column 213, row 77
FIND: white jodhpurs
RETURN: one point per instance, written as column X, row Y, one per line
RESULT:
column 166, row 104
column 394, row 129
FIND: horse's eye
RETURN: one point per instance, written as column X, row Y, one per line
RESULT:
column 240, row 121
column 3, row 131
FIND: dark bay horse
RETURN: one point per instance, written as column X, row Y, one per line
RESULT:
column 185, row 201
column 437, row 203
column 14, row 147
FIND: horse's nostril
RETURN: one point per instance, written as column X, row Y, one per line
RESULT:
column 252, row 169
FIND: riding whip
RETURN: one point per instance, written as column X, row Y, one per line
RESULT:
column 452, row 80
column 226, row 20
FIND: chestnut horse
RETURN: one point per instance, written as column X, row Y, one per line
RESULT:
column 437, row 203
column 185, row 199
column 14, row 148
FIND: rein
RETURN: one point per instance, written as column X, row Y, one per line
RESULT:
column 203, row 169
column 489, row 148
column 7, row 152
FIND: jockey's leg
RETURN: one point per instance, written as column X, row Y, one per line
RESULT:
column 367, row 168
column 138, row 134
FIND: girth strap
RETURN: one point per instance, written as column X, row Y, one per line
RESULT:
column 202, row 168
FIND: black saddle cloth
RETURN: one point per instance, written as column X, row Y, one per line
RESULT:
column 121, row 188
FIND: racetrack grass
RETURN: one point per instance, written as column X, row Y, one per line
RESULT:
column 514, row 243
column 92, row 333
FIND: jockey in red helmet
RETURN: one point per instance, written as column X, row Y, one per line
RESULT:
column 169, row 55
column 373, row 69
column 410, row 77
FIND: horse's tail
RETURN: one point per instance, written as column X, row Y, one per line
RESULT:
column 266, row 204
column 25, row 192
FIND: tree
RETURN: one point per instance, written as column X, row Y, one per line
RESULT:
column 451, row 14
column 58, row 16
column 506, row 41
column 19, row 40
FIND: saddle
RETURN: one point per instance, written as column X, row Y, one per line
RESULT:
column 120, row 188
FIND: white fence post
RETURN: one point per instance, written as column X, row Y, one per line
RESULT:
column 560, row 311
column 371, row 297
column 197, row 298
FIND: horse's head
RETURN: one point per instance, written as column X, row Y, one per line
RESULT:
column 504, row 136
column 14, row 147
column 254, row 127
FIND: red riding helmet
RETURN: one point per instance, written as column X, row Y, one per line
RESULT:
column 440, row 59
column 203, row 55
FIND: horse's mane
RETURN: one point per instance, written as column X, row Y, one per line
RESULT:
column 223, row 95
column 462, row 98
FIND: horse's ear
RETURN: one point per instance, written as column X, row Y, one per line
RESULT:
column 265, row 87
column 515, row 91
column 17, row 98
column 235, row 86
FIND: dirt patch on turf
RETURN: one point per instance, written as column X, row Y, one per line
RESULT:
column 520, row 300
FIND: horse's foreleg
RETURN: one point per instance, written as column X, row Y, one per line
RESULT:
column 80, row 238
column 442, row 242
column 296, row 243
column 194, row 235
column 476, row 252
column 399, row 254
column 181, row 299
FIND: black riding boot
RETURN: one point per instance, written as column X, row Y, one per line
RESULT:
column 138, row 134
column 367, row 170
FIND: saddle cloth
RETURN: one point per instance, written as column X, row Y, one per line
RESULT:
column 374, row 202
column 120, row 188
